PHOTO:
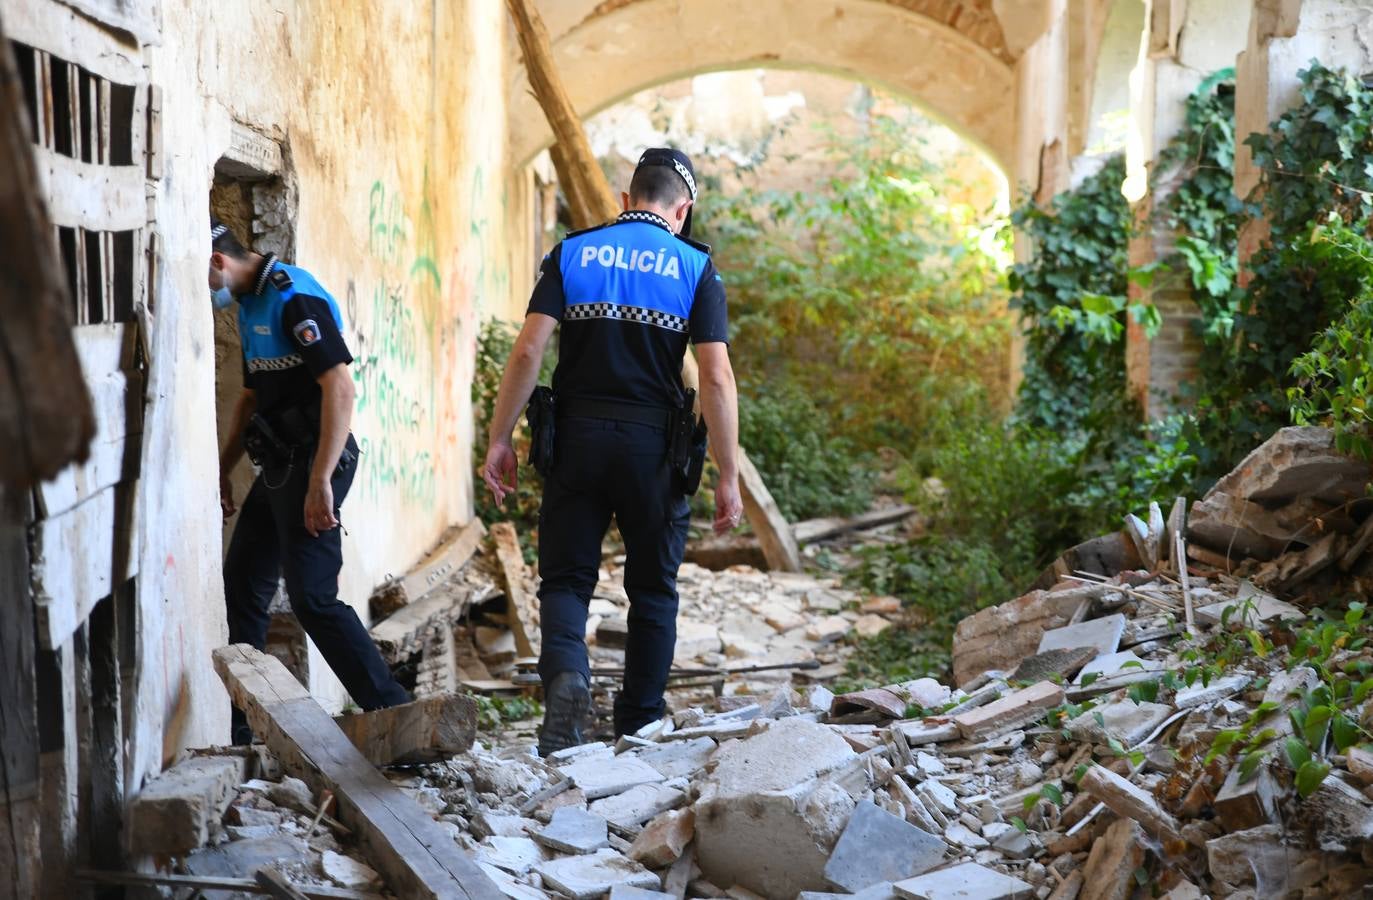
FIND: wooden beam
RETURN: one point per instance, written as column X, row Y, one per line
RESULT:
column 20, row 806
column 92, row 196
column 213, row 883
column 416, row 857
column 277, row 885
column 56, row 29
column 80, row 557
column 45, row 413
column 589, row 195
column 812, row 530
column 408, row 631
column 428, row 730
column 520, row 607
column 452, row 553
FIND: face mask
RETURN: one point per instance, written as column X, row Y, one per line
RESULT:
column 222, row 298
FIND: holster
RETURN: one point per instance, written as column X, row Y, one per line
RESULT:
column 687, row 451
column 542, row 417
column 264, row 445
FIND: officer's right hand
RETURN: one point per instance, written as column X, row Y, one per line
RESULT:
column 501, row 471
column 729, row 505
column 226, row 496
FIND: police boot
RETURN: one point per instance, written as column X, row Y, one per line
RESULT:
column 566, row 703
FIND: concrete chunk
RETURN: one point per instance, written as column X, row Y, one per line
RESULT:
column 1010, row 712
column 178, row 810
column 764, row 821
column 574, row 830
column 1062, row 662
column 516, row 855
column 585, row 877
column 1115, row 664
column 1110, row 870
column 966, row 882
column 1125, row 799
column 1001, row 636
column 598, row 777
column 664, row 839
column 1124, row 720
column 678, row 759
column 1205, row 694
column 1103, row 635
column 876, row 846
column 638, row 804
column 626, row 892
column 1241, row 806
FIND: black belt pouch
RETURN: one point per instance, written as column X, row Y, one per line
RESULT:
column 542, row 416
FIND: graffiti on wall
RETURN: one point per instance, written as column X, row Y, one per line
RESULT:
column 395, row 318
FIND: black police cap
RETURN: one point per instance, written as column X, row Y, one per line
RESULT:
column 679, row 162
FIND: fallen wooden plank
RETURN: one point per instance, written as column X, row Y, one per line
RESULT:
column 520, row 607
column 428, row 730
column 812, row 530
column 415, row 856
column 91, row 196
column 214, row 883
column 452, row 553
column 779, row 546
column 277, row 885
column 406, row 632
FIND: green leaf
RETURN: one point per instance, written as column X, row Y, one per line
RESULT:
column 1310, row 776
column 1297, row 753
column 1250, row 764
column 1317, row 722
column 1053, row 793
column 1257, row 642
column 1344, row 732
column 1091, row 677
column 1020, row 825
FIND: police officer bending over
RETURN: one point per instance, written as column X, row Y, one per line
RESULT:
column 293, row 420
column 629, row 294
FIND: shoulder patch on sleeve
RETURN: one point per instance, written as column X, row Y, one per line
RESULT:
column 307, row 332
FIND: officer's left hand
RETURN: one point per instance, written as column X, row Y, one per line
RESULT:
column 501, row 471
column 319, row 509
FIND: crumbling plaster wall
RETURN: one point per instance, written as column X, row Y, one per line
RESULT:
column 606, row 58
column 394, row 116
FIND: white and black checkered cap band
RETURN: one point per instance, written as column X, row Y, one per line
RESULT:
column 218, row 232
column 686, row 176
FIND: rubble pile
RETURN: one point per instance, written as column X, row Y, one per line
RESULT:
column 1172, row 718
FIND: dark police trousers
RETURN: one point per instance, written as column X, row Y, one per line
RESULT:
column 604, row 468
column 270, row 540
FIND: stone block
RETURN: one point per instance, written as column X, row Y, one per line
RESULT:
column 1206, row 694
column 1061, row 662
column 828, row 630
column 585, row 877
column 893, row 699
column 639, row 804
column 968, row 881
column 1113, row 664
column 1241, row 806
column 870, row 625
column 603, row 777
column 178, row 810
column 1296, row 463
column 876, row 846
column 574, row 830
column 1103, row 635
column 1110, row 869
column 1234, row 858
column 678, row 759
column 764, row 821
column 516, row 855
column 1012, row 711
column 664, row 839
column 999, row 637
column 1124, row 720
column 345, row 871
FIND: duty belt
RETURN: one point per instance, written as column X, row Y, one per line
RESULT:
column 580, row 407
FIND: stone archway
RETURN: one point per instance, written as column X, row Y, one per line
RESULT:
column 962, row 72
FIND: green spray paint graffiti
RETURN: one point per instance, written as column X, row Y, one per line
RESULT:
column 394, row 371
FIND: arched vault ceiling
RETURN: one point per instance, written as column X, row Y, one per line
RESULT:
column 608, row 51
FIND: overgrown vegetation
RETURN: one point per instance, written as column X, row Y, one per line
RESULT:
column 1314, row 163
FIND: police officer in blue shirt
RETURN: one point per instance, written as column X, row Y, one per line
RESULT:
column 629, row 295
column 292, row 419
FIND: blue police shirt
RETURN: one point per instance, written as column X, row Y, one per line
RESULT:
column 630, row 295
column 292, row 332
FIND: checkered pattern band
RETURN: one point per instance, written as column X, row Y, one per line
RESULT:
column 267, row 267
column 217, row 232
column 638, row 314
column 639, row 215
column 686, row 176
column 276, row 364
